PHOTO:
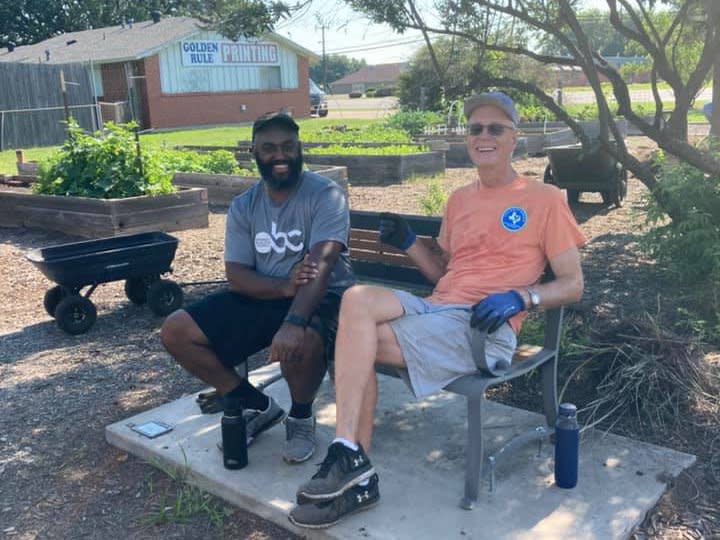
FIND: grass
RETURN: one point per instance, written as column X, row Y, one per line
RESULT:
column 179, row 502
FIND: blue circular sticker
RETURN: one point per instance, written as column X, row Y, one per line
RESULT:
column 513, row 219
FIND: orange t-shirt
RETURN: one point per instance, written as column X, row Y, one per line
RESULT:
column 501, row 238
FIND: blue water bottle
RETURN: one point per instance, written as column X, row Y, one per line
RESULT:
column 567, row 446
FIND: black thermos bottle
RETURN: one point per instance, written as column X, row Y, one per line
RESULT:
column 234, row 436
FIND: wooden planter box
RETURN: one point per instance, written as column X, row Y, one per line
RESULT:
column 223, row 188
column 382, row 170
column 93, row 218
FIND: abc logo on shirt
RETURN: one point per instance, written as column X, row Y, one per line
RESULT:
column 278, row 242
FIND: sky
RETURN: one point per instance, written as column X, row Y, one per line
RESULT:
column 351, row 34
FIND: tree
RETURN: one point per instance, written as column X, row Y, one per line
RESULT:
column 600, row 32
column 338, row 66
column 692, row 28
column 25, row 22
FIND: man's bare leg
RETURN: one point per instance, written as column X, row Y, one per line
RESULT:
column 363, row 309
column 189, row 346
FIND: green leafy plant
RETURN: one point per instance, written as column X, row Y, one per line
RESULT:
column 391, row 150
column 688, row 246
column 103, row 165
column 435, row 199
column 414, row 122
column 372, row 133
column 216, row 162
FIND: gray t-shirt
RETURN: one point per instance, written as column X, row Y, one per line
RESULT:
column 272, row 237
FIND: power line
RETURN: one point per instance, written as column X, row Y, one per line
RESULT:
column 379, row 45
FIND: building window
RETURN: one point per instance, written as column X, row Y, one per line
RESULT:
column 270, row 77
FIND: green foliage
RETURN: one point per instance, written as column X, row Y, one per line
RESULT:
column 390, row 150
column 216, row 162
column 600, row 32
column 337, row 66
column 30, row 21
column 102, row 165
column 689, row 245
column 414, row 122
column 435, row 199
column 372, row 133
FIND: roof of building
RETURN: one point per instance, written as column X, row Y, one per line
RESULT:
column 374, row 74
column 120, row 43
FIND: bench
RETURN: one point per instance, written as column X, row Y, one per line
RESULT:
column 380, row 264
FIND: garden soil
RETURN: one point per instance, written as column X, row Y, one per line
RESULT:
column 60, row 479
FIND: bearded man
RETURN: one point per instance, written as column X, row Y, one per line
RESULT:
column 287, row 266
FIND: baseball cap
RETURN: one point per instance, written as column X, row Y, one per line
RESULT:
column 496, row 99
column 274, row 119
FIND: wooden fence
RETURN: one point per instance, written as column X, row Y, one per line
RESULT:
column 32, row 111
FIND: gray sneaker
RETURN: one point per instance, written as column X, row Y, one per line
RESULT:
column 258, row 421
column 299, row 439
column 318, row 515
column 341, row 469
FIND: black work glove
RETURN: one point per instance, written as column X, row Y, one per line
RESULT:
column 395, row 231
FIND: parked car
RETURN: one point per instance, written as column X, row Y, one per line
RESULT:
column 318, row 101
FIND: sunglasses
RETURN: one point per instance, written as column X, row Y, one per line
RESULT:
column 494, row 129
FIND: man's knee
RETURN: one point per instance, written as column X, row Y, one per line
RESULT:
column 357, row 299
column 178, row 329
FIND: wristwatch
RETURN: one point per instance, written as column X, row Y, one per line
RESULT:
column 534, row 299
column 296, row 320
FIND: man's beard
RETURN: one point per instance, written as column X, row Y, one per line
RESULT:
column 286, row 183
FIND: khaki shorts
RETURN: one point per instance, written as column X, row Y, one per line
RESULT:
column 435, row 343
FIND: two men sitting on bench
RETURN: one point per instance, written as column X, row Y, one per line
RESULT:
column 497, row 236
column 287, row 265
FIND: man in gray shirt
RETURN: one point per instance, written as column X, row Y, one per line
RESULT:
column 287, row 265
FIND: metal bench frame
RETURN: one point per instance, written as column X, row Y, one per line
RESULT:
column 389, row 267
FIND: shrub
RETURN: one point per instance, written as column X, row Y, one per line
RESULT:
column 689, row 245
column 370, row 92
column 384, row 92
column 414, row 122
column 435, row 199
column 102, row 165
column 355, row 94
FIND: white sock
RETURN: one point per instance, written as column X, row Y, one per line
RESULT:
column 351, row 445
column 364, row 482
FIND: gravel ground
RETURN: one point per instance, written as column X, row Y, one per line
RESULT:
column 58, row 477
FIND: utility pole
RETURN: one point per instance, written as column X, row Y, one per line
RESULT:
column 324, row 59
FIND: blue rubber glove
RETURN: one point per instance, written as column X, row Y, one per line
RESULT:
column 395, row 231
column 492, row 312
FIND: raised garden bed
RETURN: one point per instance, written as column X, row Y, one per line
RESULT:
column 222, row 188
column 382, row 170
column 93, row 218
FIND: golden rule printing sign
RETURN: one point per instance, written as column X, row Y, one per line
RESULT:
column 227, row 53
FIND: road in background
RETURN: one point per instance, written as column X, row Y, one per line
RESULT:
column 340, row 106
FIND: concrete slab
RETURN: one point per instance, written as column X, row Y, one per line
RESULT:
column 419, row 453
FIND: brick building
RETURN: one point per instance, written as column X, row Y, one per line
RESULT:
column 377, row 76
column 172, row 73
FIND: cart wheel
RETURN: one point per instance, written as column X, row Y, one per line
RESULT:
column 75, row 314
column 136, row 288
column 164, row 297
column 53, row 297
column 573, row 196
column 548, row 176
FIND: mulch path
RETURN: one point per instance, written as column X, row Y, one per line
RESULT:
column 60, row 479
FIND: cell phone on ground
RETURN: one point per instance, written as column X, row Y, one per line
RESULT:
column 151, row 429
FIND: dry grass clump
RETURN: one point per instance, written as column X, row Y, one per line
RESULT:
column 646, row 378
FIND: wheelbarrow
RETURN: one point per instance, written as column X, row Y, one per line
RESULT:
column 577, row 170
column 139, row 259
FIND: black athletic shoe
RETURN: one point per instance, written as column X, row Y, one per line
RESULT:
column 318, row 515
column 341, row 469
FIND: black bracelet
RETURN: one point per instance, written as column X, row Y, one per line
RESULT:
column 296, row 320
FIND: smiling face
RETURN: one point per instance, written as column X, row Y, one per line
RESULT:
column 278, row 155
column 489, row 151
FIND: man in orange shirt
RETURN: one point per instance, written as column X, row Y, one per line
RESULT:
column 497, row 236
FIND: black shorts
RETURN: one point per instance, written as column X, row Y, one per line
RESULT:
column 238, row 326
